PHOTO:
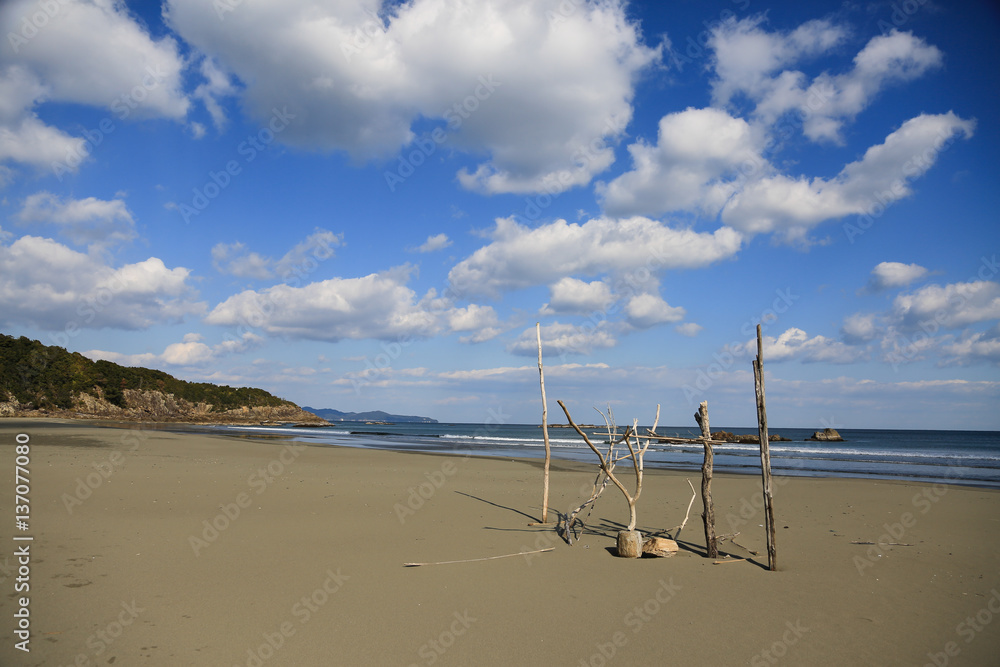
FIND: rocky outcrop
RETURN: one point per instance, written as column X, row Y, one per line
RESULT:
column 10, row 407
column 747, row 438
column 826, row 435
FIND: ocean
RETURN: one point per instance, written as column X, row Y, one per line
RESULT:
column 949, row 457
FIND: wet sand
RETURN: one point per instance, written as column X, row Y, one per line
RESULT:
column 160, row 548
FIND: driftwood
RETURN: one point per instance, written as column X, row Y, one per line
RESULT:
column 708, row 515
column 659, row 546
column 567, row 526
column 765, row 453
column 473, row 560
column 686, row 514
column 636, row 452
column 545, row 430
column 629, row 540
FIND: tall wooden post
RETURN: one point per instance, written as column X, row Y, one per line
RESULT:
column 708, row 516
column 765, row 453
column 545, row 429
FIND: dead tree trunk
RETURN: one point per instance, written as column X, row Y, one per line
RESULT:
column 765, row 453
column 545, row 429
column 706, row 482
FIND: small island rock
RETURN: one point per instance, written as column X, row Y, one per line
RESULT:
column 827, row 435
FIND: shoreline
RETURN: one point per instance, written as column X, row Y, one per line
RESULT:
column 206, row 549
column 791, row 469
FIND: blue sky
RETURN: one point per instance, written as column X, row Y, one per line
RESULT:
column 365, row 205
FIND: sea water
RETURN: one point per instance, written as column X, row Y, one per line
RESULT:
column 955, row 457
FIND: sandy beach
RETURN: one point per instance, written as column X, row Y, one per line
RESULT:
column 159, row 548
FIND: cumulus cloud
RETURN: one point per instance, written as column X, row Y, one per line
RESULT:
column 93, row 222
column 795, row 344
column 569, row 295
column 647, row 310
column 92, row 53
column 560, row 339
column 792, row 206
column 191, row 351
column 695, row 165
column 379, row 305
column 747, row 60
column 708, row 162
column 519, row 256
column 689, row 329
column 921, row 323
column 47, row 285
column 974, row 348
column 712, row 163
column 744, row 56
column 503, row 78
column 480, row 321
column 946, row 306
column 860, row 328
column 888, row 275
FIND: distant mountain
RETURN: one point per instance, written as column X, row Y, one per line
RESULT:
column 332, row 415
column 39, row 380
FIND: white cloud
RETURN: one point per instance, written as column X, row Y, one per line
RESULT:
column 795, row 344
column 689, row 329
column 303, row 259
column 50, row 286
column 217, row 85
column 917, row 323
column 379, row 305
column 145, row 359
column 744, row 56
column 530, row 92
column 480, row 320
column 860, row 328
column 747, row 60
column 710, row 163
column 569, row 295
column 888, row 275
column 190, row 352
column 975, row 348
column 695, row 165
column 647, row 310
column 234, row 259
column 792, row 206
column 435, row 242
column 92, row 53
column 519, row 373
column 560, row 339
column 23, row 136
column 307, row 254
column 519, row 256
column 95, row 222
column 950, row 306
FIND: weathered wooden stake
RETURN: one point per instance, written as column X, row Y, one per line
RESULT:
column 545, row 429
column 765, row 453
column 706, row 482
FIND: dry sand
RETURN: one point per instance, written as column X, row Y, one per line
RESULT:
column 311, row 571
